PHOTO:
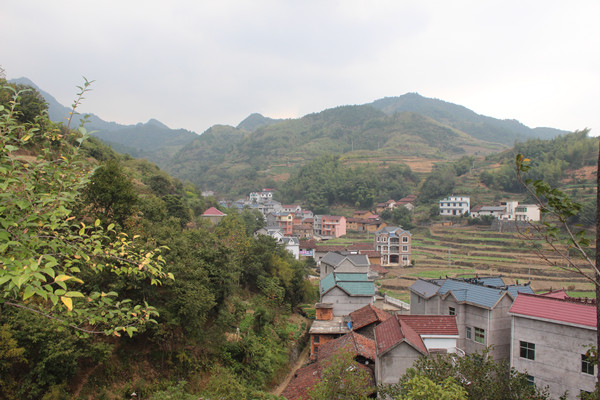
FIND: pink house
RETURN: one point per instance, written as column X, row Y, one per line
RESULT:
column 333, row 225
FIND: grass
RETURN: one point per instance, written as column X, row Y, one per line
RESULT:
column 589, row 295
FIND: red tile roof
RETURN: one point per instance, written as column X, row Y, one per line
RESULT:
column 213, row 212
column 559, row 310
column 557, row 294
column 357, row 344
column 431, row 324
column 361, row 246
column 325, row 249
column 367, row 315
column 392, row 331
column 304, row 379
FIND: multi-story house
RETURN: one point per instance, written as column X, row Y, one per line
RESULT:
column 509, row 211
column 347, row 292
column 349, row 263
column 455, row 205
column 550, row 341
column 333, row 225
column 480, row 305
column 394, row 245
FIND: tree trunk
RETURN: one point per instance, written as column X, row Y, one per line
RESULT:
column 597, row 274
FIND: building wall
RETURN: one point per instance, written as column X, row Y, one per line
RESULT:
column 558, row 350
column 343, row 304
column 495, row 323
column 392, row 365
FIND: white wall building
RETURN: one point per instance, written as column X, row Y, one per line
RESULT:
column 455, row 205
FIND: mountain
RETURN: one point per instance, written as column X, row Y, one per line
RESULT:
column 152, row 140
column 255, row 121
column 459, row 117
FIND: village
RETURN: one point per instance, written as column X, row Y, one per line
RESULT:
column 544, row 335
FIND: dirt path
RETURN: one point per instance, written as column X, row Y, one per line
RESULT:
column 299, row 363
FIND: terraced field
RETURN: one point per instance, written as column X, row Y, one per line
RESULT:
column 463, row 251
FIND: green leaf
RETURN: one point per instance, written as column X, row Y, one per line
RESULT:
column 29, row 291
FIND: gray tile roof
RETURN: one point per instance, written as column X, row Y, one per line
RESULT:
column 480, row 295
column 335, row 259
column 424, row 288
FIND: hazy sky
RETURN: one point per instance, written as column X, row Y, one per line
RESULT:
column 193, row 64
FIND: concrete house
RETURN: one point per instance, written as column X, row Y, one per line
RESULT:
column 550, row 338
column 394, row 246
column 337, row 262
column 346, row 291
column 333, row 226
column 455, row 205
column 480, row 305
column 402, row 339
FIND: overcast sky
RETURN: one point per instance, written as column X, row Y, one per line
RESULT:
column 193, row 64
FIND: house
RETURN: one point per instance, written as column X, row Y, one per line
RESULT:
column 408, row 202
column 346, row 291
column 481, row 211
column 349, row 263
column 402, row 339
column 550, row 339
column 302, row 231
column 480, row 305
column 365, row 319
column 261, row 197
column 455, row 205
column 388, row 205
column 333, row 226
column 292, row 244
column 509, row 211
column 361, row 214
column 361, row 348
column 291, row 208
column 394, row 246
column 213, row 215
column 281, row 220
column 326, row 327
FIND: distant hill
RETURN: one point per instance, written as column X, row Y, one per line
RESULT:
column 255, row 121
column 152, row 140
column 461, row 118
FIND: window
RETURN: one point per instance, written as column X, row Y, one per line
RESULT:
column 479, row 335
column 316, row 339
column 586, row 366
column 527, row 350
column 404, row 239
column 530, row 379
column 451, row 311
column 405, row 248
column 469, row 333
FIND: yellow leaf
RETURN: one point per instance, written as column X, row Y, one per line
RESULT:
column 61, row 278
column 67, row 301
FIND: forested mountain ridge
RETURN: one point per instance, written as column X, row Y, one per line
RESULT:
column 479, row 126
column 272, row 152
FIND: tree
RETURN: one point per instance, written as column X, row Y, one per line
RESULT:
column 559, row 206
column 110, row 193
column 422, row 388
column 481, row 377
column 342, row 378
column 45, row 251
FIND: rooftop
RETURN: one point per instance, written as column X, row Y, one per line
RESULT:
column 566, row 311
column 354, row 284
column 367, row 315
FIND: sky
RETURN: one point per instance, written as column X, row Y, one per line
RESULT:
column 192, row 64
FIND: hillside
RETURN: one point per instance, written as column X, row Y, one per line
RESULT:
column 360, row 133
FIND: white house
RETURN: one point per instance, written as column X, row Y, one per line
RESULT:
column 455, row 205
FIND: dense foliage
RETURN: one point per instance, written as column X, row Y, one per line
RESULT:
column 328, row 181
column 80, row 254
column 551, row 160
column 481, row 378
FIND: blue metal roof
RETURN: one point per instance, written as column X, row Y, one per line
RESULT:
column 480, row 295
